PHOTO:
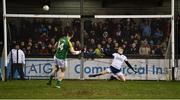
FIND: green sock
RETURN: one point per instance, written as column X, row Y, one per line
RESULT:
column 50, row 79
column 58, row 83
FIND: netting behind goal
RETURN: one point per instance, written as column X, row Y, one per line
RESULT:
column 167, row 60
column 2, row 66
column 146, row 42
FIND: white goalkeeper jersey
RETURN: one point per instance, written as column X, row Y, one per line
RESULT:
column 118, row 60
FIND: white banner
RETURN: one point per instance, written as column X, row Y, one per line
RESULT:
column 40, row 67
column 148, row 69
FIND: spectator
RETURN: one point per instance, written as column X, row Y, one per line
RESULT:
column 109, row 41
column 49, row 48
column 88, row 53
column 116, row 46
column 92, row 44
column 105, row 35
column 86, row 35
column 96, row 29
column 67, row 27
column 88, row 25
column 107, row 50
column 35, row 50
column 43, row 37
column 158, row 50
column 43, row 28
column 119, row 33
column 52, row 41
column 56, row 32
column 22, row 45
column 146, row 30
column 91, row 53
column 157, row 37
column 99, row 51
column 92, row 34
column 144, row 49
column 77, row 45
column 50, row 31
column 28, row 50
column 44, row 51
column 103, row 43
column 85, row 50
column 133, row 49
column 125, row 46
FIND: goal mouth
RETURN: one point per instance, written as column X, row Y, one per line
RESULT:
column 170, row 57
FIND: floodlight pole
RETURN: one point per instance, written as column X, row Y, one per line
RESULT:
column 5, row 41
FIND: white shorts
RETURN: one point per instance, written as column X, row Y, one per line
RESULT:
column 61, row 63
column 114, row 71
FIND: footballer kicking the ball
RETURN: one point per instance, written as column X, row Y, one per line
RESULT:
column 62, row 47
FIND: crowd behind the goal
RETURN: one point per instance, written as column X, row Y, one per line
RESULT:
column 139, row 37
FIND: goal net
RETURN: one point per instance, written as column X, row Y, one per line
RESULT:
column 146, row 42
column 145, row 37
column 167, row 61
column 2, row 66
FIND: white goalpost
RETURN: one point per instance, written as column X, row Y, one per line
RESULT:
column 171, row 16
column 41, row 16
column 133, row 16
column 5, row 40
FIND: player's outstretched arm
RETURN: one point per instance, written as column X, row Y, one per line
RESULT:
column 129, row 65
column 71, row 49
column 74, row 52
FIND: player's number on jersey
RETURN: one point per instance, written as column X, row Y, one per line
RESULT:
column 61, row 45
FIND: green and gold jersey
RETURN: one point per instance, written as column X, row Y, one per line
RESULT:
column 63, row 46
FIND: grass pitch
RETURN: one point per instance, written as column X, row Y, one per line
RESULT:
column 102, row 89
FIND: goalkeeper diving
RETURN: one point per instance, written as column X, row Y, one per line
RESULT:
column 115, row 68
